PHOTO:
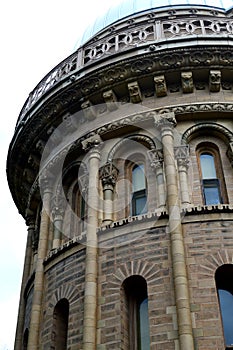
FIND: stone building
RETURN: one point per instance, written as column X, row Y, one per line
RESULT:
column 121, row 165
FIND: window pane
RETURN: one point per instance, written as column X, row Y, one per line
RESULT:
column 144, row 325
column 226, row 306
column 140, row 205
column 138, row 178
column 208, row 167
column 211, row 192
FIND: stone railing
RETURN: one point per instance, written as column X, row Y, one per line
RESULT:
column 121, row 38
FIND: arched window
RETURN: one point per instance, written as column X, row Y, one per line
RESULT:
column 224, row 285
column 136, row 309
column 212, row 181
column 60, row 325
column 139, row 196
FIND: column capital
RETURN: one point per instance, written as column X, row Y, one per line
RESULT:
column 30, row 218
column 46, row 182
column 166, row 121
column 182, row 155
column 58, row 206
column 108, row 174
column 156, row 158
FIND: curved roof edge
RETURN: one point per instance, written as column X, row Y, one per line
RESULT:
column 131, row 7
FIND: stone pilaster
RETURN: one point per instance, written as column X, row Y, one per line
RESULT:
column 166, row 123
column 90, row 297
column 156, row 161
column 181, row 154
column 34, row 330
column 30, row 221
column 58, row 210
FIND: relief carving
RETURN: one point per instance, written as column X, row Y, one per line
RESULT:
column 160, row 86
column 214, row 80
column 110, row 99
column 88, row 110
column 187, row 82
column 134, row 92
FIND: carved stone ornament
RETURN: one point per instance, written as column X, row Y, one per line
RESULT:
column 108, row 174
column 160, row 86
column 58, row 206
column 187, row 82
column 181, row 152
column 90, row 142
column 88, row 110
column 215, row 80
column 135, row 92
column 110, row 99
column 156, row 158
column 165, row 120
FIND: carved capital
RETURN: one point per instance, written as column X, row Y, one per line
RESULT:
column 187, row 82
column 58, row 206
column 156, row 158
column 165, row 121
column 88, row 110
column 108, row 174
column 215, row 80
column 110, row 100
column 46, row 181
column 135, row 92
column 160, row 86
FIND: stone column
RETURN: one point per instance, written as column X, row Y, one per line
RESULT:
column 90, row 296
column 156, row 158
column 108, row 175
column 58, row 209
column 30, row 221
column 166, row 123
column 34, row 330
column 181, row 154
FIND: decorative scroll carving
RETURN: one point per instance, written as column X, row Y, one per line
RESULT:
column 160, row 86
column 135, row 93
column 215, row 80
column 108, row 174
column 88, row 110
column 187, row 82
column 110, row 99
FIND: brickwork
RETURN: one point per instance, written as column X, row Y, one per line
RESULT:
column 65, row 280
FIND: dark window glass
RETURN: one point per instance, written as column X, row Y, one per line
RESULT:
column 210, row 182
column 224, row 284
column 139, row 200
column 138, row 319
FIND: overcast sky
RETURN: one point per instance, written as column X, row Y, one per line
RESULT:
column 35, row 36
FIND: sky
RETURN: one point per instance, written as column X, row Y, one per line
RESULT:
column 35, row 37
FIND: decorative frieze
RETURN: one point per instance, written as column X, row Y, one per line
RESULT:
column 134, row 92
column 160, row 86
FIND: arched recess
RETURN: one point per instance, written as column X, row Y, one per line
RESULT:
column 130, row 157
column 74, row 187
column 224, row 286
column 25, row 339
column 135, row 316
column 60, row 325
column 205, row 129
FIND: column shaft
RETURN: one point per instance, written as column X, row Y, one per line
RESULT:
column 26, row 274
column 33, row 340
column 90, row 297
column 177, row 243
